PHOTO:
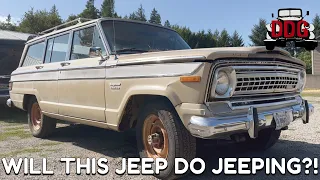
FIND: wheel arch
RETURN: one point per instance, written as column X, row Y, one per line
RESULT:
column 134, row 105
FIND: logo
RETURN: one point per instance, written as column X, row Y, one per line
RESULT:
column 290, row 26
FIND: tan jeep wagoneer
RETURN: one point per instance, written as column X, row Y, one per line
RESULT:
column 120, row 74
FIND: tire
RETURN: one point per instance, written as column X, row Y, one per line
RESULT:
column 265, row 140
column 40, row 125
column 176, row 141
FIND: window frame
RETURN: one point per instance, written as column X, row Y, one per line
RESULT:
column 52, row 37
column 24, row 55
column 70, row 32
column 94, row 25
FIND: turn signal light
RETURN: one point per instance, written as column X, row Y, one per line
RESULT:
column 190, row 78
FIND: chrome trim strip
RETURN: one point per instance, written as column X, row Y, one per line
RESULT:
column 263, row 105
column 267, row 68
column 123, row 72
column 111, row 66
column 157, row 60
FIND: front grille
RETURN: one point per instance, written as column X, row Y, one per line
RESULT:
column 265, row 79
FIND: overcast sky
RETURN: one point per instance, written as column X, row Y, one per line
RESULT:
column 233, row 15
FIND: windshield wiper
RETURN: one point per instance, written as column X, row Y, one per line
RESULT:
column 130, row 50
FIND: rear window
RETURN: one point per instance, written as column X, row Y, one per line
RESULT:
column 34, row 54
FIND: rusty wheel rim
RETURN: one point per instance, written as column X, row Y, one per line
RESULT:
column 36, row 116
column 155, row 138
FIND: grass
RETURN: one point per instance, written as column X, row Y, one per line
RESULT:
column 21, row 133
column 311, row 93
column 11, row 128
column 22, row 151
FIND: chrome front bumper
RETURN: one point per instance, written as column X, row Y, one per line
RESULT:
column 9, row 103
column 212, row 127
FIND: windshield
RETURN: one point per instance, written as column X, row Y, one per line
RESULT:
column 290, row 13
column 131, row 37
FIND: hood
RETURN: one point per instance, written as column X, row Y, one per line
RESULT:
column 206, row 54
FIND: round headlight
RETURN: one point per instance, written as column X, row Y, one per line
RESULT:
column 302, row 80
column 223, row 83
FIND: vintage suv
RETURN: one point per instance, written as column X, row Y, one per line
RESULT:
column 120, row 74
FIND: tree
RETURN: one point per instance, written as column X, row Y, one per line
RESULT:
column 236, row 40
column 155, row 17
column 224, row 39
column 40, row 20
column 107, row 8
column 215, row 37
column 90, row 12
column 258, row 33
column 316, row 23
column 54, row 17
column 306, row 57
column 72, row 17
column 138, row 15
column 8, row 25
column 167, row 24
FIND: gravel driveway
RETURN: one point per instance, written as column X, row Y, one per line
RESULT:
column 81, row 141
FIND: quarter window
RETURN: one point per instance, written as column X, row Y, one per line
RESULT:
column 85, row 42
column 34, row 54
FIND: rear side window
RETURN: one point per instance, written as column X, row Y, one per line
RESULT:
column 34, row 54
column 57, row 49
column 85, row 39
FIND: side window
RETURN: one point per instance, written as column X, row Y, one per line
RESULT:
column 83, row 41
column 60, row 48
column 34, row 54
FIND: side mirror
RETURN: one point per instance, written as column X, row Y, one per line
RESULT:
column 95, row 51
column 272, row 15
column 307, row 13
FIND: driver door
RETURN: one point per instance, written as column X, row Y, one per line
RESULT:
column 82, row 78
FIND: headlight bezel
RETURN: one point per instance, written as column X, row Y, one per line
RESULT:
column 302, row 78
column 232, row 82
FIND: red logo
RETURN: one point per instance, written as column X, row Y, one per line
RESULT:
column 290, row 29
column 290, row 26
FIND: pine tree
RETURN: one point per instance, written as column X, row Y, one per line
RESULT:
column 71, row 17
column 215, row 38
column 167, row 24
column 224, row 39
column 90, row 11
column 8, row 25
column 138, row 15
column 40, row 20
column 54, row 18
column 258, row 33
column 155, row 17
column 107, row 8
column 316, row 23
column 236, row 40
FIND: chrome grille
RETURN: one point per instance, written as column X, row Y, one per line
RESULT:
column 265, row 79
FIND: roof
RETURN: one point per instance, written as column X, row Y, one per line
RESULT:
column 12, row 35
column 91, row 22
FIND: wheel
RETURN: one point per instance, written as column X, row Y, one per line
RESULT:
column 161, row 134
column 265, row 140
column 40, row 125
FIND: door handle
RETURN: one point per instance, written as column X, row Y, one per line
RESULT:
column 39, row 67
column 65, row 64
